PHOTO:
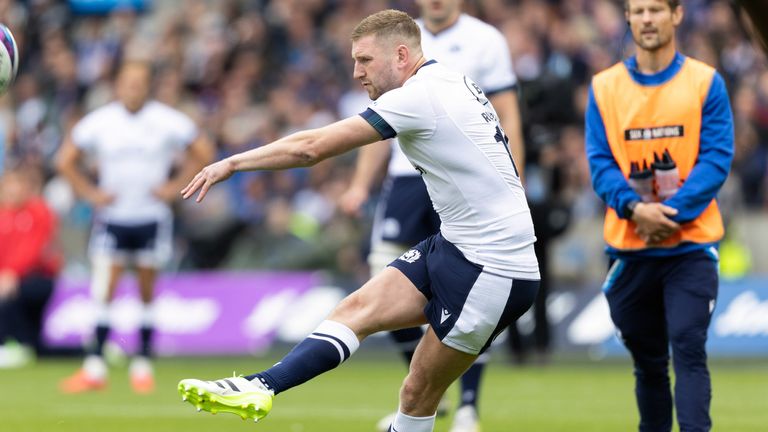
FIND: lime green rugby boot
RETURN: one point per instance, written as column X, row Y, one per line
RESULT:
column 236, row 395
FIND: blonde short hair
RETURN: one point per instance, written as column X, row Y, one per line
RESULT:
column 390, row 24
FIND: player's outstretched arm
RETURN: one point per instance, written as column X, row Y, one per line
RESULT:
column 300, row 149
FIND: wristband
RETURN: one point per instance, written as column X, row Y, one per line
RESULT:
column 629, row 209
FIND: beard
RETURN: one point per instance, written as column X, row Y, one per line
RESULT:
column 654, row 43
column 384, row 84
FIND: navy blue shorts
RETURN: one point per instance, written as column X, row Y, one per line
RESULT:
column 407, row 216
column 148, row 243
column 467, row 306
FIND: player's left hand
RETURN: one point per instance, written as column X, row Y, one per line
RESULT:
column 207, row 177
column 653, row 223
column 352, row 201
column 655, row 238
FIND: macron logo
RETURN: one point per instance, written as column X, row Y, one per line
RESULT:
column 444, row 315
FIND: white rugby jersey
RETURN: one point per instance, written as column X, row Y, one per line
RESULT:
column 472, row 47
column 450, row 132
column 134, row 153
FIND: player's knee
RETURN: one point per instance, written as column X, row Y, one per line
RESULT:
column 353, row 304
column 100, row 278
column 649, row 368
column 650, row 352
column 347, row 308
column 688, row 342
column 356, row 312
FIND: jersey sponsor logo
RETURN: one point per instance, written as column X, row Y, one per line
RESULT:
column 476, row 91
column 444, row 315
column 476, row 87
column 644, row 134
column 411, row 256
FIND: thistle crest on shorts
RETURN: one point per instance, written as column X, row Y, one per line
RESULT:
column 410, row 256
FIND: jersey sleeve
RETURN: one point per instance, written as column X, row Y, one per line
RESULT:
column 182, row 129
column 404, row 110
column 715, row 156
column 497, row 75
column 85, row 133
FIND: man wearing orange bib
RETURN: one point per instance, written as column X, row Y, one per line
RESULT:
column 659, row 139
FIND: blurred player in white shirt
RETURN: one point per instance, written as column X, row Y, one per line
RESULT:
column 404, row 215
column 135, row 144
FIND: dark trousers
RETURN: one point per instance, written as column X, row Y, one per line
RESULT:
column 657, row 303
column 21, row 316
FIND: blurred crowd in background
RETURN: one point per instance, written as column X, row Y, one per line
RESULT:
column 250, row 71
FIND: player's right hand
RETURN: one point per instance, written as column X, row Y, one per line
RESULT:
column 351, row 201
column 207, row 177
column 653, row 222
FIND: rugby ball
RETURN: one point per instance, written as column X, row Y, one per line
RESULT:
column 9, row 58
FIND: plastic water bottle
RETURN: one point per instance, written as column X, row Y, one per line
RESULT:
column 641, row 180
column 666, row 175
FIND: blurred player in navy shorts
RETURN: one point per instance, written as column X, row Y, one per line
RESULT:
column 135, row 143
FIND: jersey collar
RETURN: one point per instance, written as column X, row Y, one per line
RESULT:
column 427, row 63
column 659, row 77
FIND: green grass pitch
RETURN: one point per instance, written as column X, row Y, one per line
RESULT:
column 564, row 396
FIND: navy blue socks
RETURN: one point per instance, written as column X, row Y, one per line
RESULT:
column 327, row 347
